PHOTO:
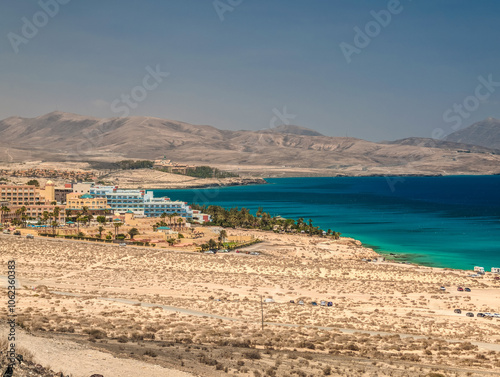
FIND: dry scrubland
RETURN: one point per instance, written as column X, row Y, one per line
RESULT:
column 201, row 314
column 126, row 179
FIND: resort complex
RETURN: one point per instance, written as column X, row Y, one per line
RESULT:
column 32, row 202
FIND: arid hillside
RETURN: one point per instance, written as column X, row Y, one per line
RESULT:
column 68, row 137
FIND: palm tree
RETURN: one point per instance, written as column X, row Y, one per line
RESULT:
column 54, row 225
column 56, row 212
column 45, row 217
column 170, row 216
column 80, row 219
column 4, row 210
column 89, row 218
column 100, row 230
column 20, row 213
column 180, row 220
column 222, row 235
column 212, row 244
column 117, row 226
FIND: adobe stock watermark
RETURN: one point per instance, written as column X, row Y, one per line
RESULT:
column 223, row 6
column 282, row 116
column 139, row 93
column 460, row 111
column 31, row 26
column 455, row 115
column 371, row 30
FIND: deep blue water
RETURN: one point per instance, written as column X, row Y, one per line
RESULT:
column 437, row 221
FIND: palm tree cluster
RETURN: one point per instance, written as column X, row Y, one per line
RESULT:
column 171, row 222
column 50, row 218
column 242, row 218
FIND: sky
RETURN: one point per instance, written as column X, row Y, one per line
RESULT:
column 376, row 70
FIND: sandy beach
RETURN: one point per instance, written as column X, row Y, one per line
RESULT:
column 143, row 303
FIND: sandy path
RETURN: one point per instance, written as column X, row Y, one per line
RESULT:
column 79, row 361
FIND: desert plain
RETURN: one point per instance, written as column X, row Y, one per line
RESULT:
column 88, row 309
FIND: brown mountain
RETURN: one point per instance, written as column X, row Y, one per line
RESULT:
column 68, row 137
column 485, row 133
column 442, row 144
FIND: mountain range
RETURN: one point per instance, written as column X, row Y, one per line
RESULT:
column 59, row 136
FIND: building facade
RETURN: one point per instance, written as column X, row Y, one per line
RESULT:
column 97, row 206
column 36, row 212
column 155, row 207
column 140, row 202
column 20, row 194
column 120, row 200
column 82, row 187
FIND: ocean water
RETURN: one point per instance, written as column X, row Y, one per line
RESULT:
column 449, row 221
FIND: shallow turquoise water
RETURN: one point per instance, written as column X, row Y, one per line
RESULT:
column 437, row 221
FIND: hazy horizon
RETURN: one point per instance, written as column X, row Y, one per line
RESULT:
column 255, row 64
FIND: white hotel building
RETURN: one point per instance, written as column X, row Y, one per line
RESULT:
column 140, row 202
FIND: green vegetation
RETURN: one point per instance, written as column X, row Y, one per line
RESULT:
column 138, row 164
column 209, row 172
column 33, row 182
column 122, row 165
column 242, row 218
column 133, row 232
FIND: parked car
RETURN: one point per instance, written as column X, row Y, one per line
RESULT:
column 497, row 277
column 254, row 253
column 330, row 303
column 458, row 311
column 480, row 315
column 6, row 231
column 460, row 289
column 238, row 251
column 17, row 233
column 469, row 314
column 301, row 302
column 442, row 288
column 123, row 244
column 292, row 302
column 314, row 303
column 323, row 303
column 30, row 236
column 467, row 289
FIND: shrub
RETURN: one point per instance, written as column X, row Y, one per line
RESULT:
column 150, row 353
column 252, row 355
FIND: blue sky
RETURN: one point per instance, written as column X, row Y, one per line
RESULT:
column 264, row 55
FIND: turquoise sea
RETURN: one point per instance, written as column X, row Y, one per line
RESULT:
column 449, row 221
